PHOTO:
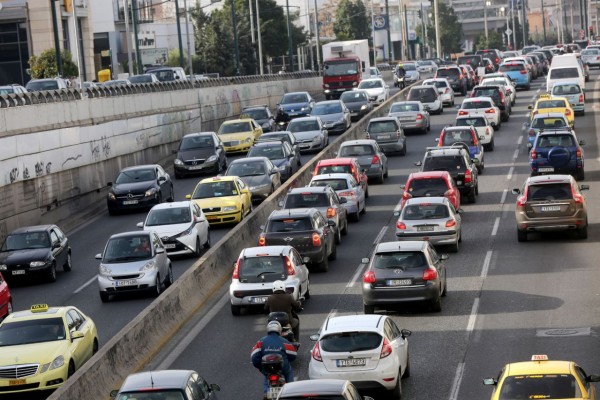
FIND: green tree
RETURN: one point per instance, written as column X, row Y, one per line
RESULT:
column 44, row 65
column 173, row 58
column 351, row 20
column 494, row 41
column 451, row 33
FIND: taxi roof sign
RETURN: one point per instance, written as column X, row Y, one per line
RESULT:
column 539, row 357
column 39, row 308
column 545, row 96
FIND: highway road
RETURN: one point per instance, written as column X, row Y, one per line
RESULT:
column 506, row 300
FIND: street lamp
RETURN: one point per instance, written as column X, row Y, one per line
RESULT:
column 485, row 6
column 508, row 31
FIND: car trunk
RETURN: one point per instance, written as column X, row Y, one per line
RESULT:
column 550, row 200
column 351, row 351
column 383, row 131
column 296, row 232
column 262, row 269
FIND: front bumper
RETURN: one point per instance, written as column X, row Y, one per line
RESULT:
column 138, row 203
column 260, row 193
column 24, row 270
column 138, row 282
column 204, row 168
column 237, row 146
column 51, row 379
column 312, row 145
column 338, row 127
column 224, row 217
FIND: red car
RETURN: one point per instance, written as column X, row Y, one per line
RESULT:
column 5, row 299
column 431, row 184
column 344, row 165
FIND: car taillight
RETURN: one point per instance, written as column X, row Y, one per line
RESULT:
column 502, row 97
column 400, row 225
column 490, row 111
column 533, row 154
column 497, row 60
column 581, row 98
column 316, row 239
column 375, row 159
column 262, row 241
column 430, row 274
column 369, row 277
column 236, row 270
column 523, row 72
column 461, row 112
column 273, row 378
column 419, row 117
column 348, row 193
column 532, row 132
column 576, row 196
column 330, row 212
column 568, row 112
column 289, row 266
column 316, row 353
column 468, row 176
column 578, row 153
column 460, row 76
column 450, row 223
column 386, row 349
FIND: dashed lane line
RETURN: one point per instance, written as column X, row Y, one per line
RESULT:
column 495, row 228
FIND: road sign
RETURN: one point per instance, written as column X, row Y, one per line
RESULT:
column 508, row 32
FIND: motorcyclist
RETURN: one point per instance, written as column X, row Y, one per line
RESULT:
column 400, row 73
column 273, row 343
column 282, row 301
column 282, row 118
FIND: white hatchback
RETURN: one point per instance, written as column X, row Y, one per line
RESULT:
column 444, row 89
column 371, row 351
column 481, row 106
column 376, row 88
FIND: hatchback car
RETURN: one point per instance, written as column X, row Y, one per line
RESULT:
column 518, row 73
column 326, row 389
column 6, row 306
column 223, row 199
column 455, row 76
column 388, row 133
column 35, row 251
column 346, row 187
column 357, row 101
column 258, row 267
column 262, row 115
column 199, row 153
column 498, row 94
column 412, row 115
column 282, row 136
column 557, row 152
column 280, row 153
column 481, row 106
column 376, row 88
column 485, row 132
column 431, row 184
column 371, row 351
column 500, row 79
column 429, row 96
column 444, row 89
column 551, row 203
column 310, row 133
column 454, row 135
column 182, row 227
column 259, row 174
column 573, row 93
column 334, row 114
column 296, row 104
column 238, row 135
column 343, row 165
column 133, row 262
column 398, row 273
column 370, row 157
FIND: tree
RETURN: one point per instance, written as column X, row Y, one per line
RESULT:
column 351, row 21
column 173, row 58
column 494, row 41
column 44, row 65
column 451, row 33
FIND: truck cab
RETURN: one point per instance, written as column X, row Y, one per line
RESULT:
column 343, row 66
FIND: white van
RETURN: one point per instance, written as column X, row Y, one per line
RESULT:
column 565, row 68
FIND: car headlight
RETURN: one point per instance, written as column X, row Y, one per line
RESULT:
column 37, row 264
column 178, row 161
column 363, row 107
column 57, row 362
column 326, row 85
column 340, row 120
column 317, row 139
column 211, row 158
column 264, row 185
column 3, row 267
column 150, row 192
column 104, row 270
column 282, row 167
column 111, row 196
column 304, row 108
column 229, row 208
column 149, row 265
column 248, row 140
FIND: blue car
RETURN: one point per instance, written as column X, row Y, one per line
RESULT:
column 296, row 104
column 518, row 73
column 543, row 123
column 557, row 152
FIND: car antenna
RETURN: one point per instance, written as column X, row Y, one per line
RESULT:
column 151, row 380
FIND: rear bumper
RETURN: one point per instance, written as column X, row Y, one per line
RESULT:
column 401, row 294
column 435, row 238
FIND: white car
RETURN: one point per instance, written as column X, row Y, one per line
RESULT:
column 345, row 186
column 485, row 132
column 501, row 79
column 444, row 88
column 376, row 88
column 481, row 106
column 426, row 66
column 371, row 351
column 181, row 225
column 374, row 72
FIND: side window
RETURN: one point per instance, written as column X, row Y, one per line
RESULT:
column 433, row 255
column 296, row 258
column 395, row 330
column 203, row 388
column 353, row 182
column 582, row 375
column 59, row 233
column 387, row 330
column 189, row 392
column 76, row 318
column 240, row 184
column 70, row 321
column 54, row 237
column 334, row 199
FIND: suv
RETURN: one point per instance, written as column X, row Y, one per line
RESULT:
column 499, row 95
column 348, row 165
column 258, row 267
column 551, row 203
column 429, row 96
column 493, row 54
column 545, row 122
column 557, row 152
column 388, row 133
column 455, row 135
column 307, row 230
column 262, row 115
column 455, row 76
column 36, row 85
column 431, row 184
column 456, row 161
column 518, row 73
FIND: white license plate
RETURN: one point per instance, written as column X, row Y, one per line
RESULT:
column 550, row 208
column 127, row 282
column 424, row 228
column 399, row 282
column 169, row 245
column 351, row 362
column 546, row 169
column 383, row 137
column 354, row 114
column 18, row 272
column 129, row 202
column 273, row 392
column 195, row 167
column 407, row 119
column 258, row 300
column 459, row 182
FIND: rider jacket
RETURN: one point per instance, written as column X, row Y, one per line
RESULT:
column 281, row 301
column 273, row 344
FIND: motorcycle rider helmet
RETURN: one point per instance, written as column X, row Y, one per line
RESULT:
column 274, row 326
column 278, row 286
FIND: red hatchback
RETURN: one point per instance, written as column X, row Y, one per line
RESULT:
column 5, row 299
column 431, row 184
column 344, row 165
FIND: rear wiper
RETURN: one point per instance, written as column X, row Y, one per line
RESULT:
column 263, row 273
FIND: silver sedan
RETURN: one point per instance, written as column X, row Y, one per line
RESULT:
column 258, row 173
column 412, row 115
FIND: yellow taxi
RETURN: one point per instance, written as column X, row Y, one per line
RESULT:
column 238, row 135
column 550, row 104
column 542, row 378
column 223, row 199
column 43, row 346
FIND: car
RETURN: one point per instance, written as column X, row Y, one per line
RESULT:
column 557, row 152
column 429, row 96
column 262, row 115
column 325, row 389
column 307, row 230
column 199, row 153
column 259, row 175
column 370, row 157
column 528, row 64
column 551, row 203
column 223, row 199
column 430, row 218
column 455, row 135
column 426, row 66
column 568, row 73
column 6, row 306
column 346, row 165
column 181, row 225
column 324, row 199
column 543, row 378
column 285, row 136
column 90, row 85
column 518, row 73
column 529, row 49
column 280, row 153
column 551, row 104
column 116, row 82
column 544, row 62
column 485, row 132
column 144, row 78
column 168, row 74
column 36, row 85
column 258, row 267
column 455, row 76
column 139, row 187
column 501, row 79
column 238, row 135
column 47, row 344
column 35, row 251
column 374, row 72
column 370, row 351
column 498, row 94
column 388, row 133
column 376, row 88
column 444, row 89
column 477, row 106
column 545, row 122
column 357, row 101
column 296, row 104
column 170, row 384
column 310, row 133
column 431, row 184
column 14, row 88
column 573, row 93
column 493, row 54
column 133, row 262
column 413, row 115
column 475, row 61
column 334, row 114
column 346, row 187
column 412, row 74
column 591, row 57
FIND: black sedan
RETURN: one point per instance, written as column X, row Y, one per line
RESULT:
column 139, row 187
column 262, row 115
column 286, row 136
column 281, row 155
column 35, row 251
column 199, row 153
column 357, row 102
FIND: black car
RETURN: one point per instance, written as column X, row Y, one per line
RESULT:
column 499, row 95
column 281, row 155
column 305, row 229
column 455, row 76
column 493, row 54
column 199, row 153
column 35, row 251
column 286, row 136
column 262, row 115
column 139, row 187
column 357, row 101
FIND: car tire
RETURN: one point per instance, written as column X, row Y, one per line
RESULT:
column 9, row 308
column 364, row 210
column 345, row 230
column 178, row 176
column 367, row 193
column 333, row 255
column 403, row 152
column 112, row 212
column 157, row 289
column 441, row 110
column 207, row 243
column 396, row 392
column 490, row 146
column 169, row 280
column 71, row 369
column 236, row 310
column 197, row 250
column 52, row 273
column 454, row 247
column 445, row 289
column 380, row 178
column 580, row 175
column 307, row 293
column 471, row 196
column 105, row 297
column 172, row 198
column 356, row 215
column 436, row 305
column 323, row 266
column 368, row 309
column 479, row 169
column 95, row 346
column 406, row 373
column 338, row 235
column 583, row 232
column 69, row 263
column 521, row 236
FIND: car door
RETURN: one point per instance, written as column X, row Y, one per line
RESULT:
column 201, row 222
column 59, row 251
column 161, row 258
column 301, row 270
column 437, row 262
column 340, row 210
column 274, row 174
column 328, row 232
column 382, row 157
column 244, row 193
column 4, row 296
column 81, row 349
column 398, row 343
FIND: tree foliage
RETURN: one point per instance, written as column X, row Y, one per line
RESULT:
column 351, row 20
column 44, row 65
column 451, row 32
column 494, row 41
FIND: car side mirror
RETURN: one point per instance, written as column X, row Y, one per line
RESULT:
column 159, row 250
column 331, row 223
column 489, row 381
column 109, row 184
column 262, row 227
column 516, row 191
column 460, row 211
column 98, row 256
column 444, row 257
column 162, row 179
column 113, row 393
column 437, row 139
column 314, row 337
column 402, row 187
column 530, row 107
column 584, row 187
column 214, row 387
column 140, row 224
column 493, row 124
column 457, row 107
column 405, row 333
column 306, row 260
column 365, row 260
column 273, row 171
column 76, row 335
column 592, row 378
column 418, row 164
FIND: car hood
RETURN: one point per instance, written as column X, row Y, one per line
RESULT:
column 251, row 181
column 196, row 154
column 168, row 230
column 217, row 202
column 306, row 135
column 23, row 256
column 136, row 187
column 375, row 91
column 330, row 118
column 33, row 353
column 280, row 162
column 293, row 106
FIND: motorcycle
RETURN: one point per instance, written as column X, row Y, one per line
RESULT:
column 286, row 327
column 399, row 81
column 272, row 367
column 281, row 126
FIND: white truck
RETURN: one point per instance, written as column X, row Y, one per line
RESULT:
column 345, row 64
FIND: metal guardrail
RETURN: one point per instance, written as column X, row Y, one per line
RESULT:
column 63, row 95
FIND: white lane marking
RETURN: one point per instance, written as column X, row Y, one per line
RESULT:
column 192, row 334
column 398, row 206
column 457, row 379
column 510, row 173
column 516, row 153
column 356, row 275
column 486, row 263
column 88, row 283
column 473, row 316
column 503, row 198
column 520, row 140
column 380, row 234
column 495, row 228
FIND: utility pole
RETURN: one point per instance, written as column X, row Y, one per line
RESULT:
column 134, row 19
column 59, row 66
column 128, row 36
column 289, row 32
column 189, row 46
column 310, row 47
column 259, row 37
column 179, row 33
column 523, row 5
column 79, row 60
column 438, row 46
column 423, row 33
column 408, row 49
column 389, row 36
column 544, row 21
column 318, row 38
column 235, row 38
column 252, row 30
column 373, row 33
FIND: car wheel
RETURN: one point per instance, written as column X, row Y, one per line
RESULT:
column 236, row 310
column 490, row 146
column 367, row 193
column 479, row 169
column 333, row 254
column 9, row 309
column 307, row 293
column 207, row 243
column 111, row 211
column 380, row 178
column 436, row 305
column 68, row 263
column 445, row 290
column 95, row 346
column 441, row 109
column 396, row 392
column 197, row 250
column 71, row 369
column 406, row 373
column 454, row 247
column 521, row 236
column 323, row 266
column 338, row 236
column 169, row 280
column 364, row 210
column 52, row 273
column 172, row 198
column 583, row 232
column 345, row 230
column 157, row 289
column 105, row 297
column 356, row 215
column 471, row 196
column 403, row 152
column 580, row 175
column 368, row 309
column 242, row 214
column 177, row 176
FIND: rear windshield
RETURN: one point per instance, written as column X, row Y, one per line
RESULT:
column 457, row 135
column 560, row 90
column 562, row 73
column 426, row 95
column 472, row 105
column 424, row 211
column 403, row 259
column 475, row 121
column 350, row 341
column 437, row 84
column 446, row 163
column 289, row 225
column 549, row 123
column 356, row 150
column 382, row 127
column 556, row 140
column 486, row 92
column 42, row 85
column 512, row 67
column 259, row 266
column 427, row 187
column 336, row 184
column 405, row 107
column 306, row 200
column 473, row 61
column 549, row 191
column 141, row 79
column 455, row 72
column 333, row 169
column 555, row 386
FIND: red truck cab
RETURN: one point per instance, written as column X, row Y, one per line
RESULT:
column 340, row 75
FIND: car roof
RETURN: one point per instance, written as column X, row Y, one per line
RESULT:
column 539, row 367
column 358, row 141
column 330, row 101
column 175, row 204
column 194, row 134
column 232, row 121
column 426, row 200
column 408, row 101
column 293, row 212
column 409, row 245
column 156, row 379
column 556, row 132
column 130, row 234
column 372, row 79
column 478, row 98
column 334, row 175
column 313, row 386
column 218, row 178
column 33, row 228
column 428, row 174
column 550, row 115
column 355, row 322
column 265, row 251
column 422, row 87
column 306, row 189
column 445, row 151
column 552, row 178
column 250, row 159
column 139, row 167
column 309, row 118
column 379, row 119
column 52, row 312
column 270, row 143
column 255, row 107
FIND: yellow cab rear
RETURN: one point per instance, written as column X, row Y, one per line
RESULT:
column 550, row 104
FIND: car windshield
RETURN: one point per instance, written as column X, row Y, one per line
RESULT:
column 169, row 216
column 370, row 85
column 340, row 68
column 540, row 386
column 457, row 135
column 42, row 85
column 289, row 225
column 303, row 126
column 292, row 98
column 164, row 75
column 549, row 191
column 474, row 61
column 556, row 141
column 345, row 342
column 477, row 121
column 162, row 394
column 271, row 152
column 406, row 107
column 352, row 96
column 6, row 90
column 356, row 150
column 446, row 163
column 562, row 73
column 129, row 248
column 136, row 175
column 141, row 79
column 332, row 169
column 427, row 187
column 23, row 241
column 235, row 127
column 255, row 113
column 423, row 95
column 561, row 90
column 327, row 108
column 382, row 127
column 554, row 103
column 549, row 123
column 306, row 200
column 473, row 105
column 255, row 168
column 196, row 142
column 215, row 189
column 336, row 184
column 400, row 259
column 424, row 211
column 255, row 267
column 32, row 331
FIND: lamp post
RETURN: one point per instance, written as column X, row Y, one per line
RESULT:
column 503, row 10
column 59, row 66
column 235, row 38
column 289, row 32
column 317, row 37
column 179, row 33
column 485, row 7
column 438, row 46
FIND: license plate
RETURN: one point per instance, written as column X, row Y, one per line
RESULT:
column 19, row 272
column 195, row 167
column 459, row 182
column 354, row 114
column 399, row 282
column 351, row 362
column 128, row 282
column 407, row 119
column 273, row 392
column 169, row 245
column 129, row 202
column 550, row 208
column 546, row 169
column 212, row 218
column 425, row 228
column 383, row 137
column 14, row 382
column 258, row 300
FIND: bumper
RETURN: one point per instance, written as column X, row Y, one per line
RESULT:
column 315, row 256
column 373, row 171
column 176, row 247
column 570, row 169
column 336, row 128
column 446, row 98
column 224, row 218
column 554, row 225
column 435, row 238
column 118, row 205
column 308, row 146
column 403, row 294
column 363, row 380
column 48, row 380
column 413, row 125
column 391, row 147
column 261, row 193
column 205, row 168
column 14, row 273
column 258, row 297
column 356, row 115
column 116, row 286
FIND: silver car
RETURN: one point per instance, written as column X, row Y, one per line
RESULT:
column 345, row 186
column 310, row 132
column 591, row 57
column 370, row 157
column 427, row 95
column 430, row 218
column 133, row 262
column 388, row 133
column 258, row 173
column 444, row 89
column 334, row 114
column 572, row 92
column 412, row 115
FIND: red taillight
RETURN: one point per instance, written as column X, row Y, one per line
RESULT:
column 316, row 353
column 262, row 241
column 578, row 153
column 236, row 270
column 375, row 159
column 273, row 378
column 401, row 225
column 523, row 72
column 289, row 266
column 353, row 171
column 347, row 194
column 330, row 212
column 521, row 201
column 533, row 154
column 461, row 112
column 576, row 196
column 502, row 97
column 581, row 98
column 386, row 349
column 568, row 112
column 316, row 239
column 468, row 176
column 497, row 60
column 369, row 277
column 419, row 117
column 490, row 111
column 532, row 132
column 450, row 223
column 430, row 274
